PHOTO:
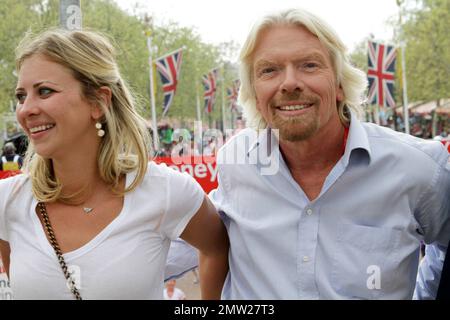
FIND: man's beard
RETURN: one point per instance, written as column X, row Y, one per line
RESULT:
column 296, row 128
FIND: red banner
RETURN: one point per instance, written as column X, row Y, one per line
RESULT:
column 203, row 169
column 446, row 143
column 8, row 173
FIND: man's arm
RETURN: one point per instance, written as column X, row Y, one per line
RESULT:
column 429, row 274
column 207, row 233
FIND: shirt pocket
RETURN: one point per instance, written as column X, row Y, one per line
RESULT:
column 364, row 261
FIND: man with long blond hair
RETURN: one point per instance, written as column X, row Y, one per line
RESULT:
column 326, row 206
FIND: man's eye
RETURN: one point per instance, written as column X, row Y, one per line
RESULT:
column 310, row 65
column 267, row 70
column 20, row 97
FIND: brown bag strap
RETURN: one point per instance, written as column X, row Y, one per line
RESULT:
column 54, row 243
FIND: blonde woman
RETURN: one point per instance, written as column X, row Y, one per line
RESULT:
column 91, row 218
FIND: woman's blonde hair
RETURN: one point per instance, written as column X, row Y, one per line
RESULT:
column 352, row 80
column 126, row 145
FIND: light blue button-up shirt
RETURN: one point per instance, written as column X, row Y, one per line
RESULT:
column 359, row 239
column 429, row 275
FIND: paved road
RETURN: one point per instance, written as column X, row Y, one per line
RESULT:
column 191, row 289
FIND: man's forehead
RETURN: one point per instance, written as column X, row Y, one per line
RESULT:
column 280, row 38
column 277, row 42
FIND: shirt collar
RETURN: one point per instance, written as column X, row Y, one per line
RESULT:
column 357, row 140
column 265, row 143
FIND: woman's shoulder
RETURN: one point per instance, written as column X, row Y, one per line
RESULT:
column 171, row 174
column 163, row 170
column 11, row 184
column 157, row 169
column 14, row 188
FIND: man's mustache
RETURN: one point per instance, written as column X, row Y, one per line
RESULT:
column 295, row 96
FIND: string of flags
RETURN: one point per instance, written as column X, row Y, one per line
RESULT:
column 169, row 67
column 381, row 77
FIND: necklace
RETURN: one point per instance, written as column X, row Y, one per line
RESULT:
column 87, row 210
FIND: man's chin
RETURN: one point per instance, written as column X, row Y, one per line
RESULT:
column 295, row 136
column 294, row 132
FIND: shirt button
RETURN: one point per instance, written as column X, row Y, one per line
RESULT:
column 309, row 212
column 305, row 259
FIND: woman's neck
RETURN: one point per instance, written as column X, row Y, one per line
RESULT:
column 79, row 176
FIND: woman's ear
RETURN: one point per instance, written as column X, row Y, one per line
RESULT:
column 104, row 95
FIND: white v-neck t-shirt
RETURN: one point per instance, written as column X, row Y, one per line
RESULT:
column 126, row 260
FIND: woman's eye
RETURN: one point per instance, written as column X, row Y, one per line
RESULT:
column 20, row 97
column 45, row 91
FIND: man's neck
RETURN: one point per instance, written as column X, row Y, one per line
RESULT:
column 315, row 152
column 310, row 161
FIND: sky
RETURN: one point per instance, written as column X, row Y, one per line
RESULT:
column 224, row 20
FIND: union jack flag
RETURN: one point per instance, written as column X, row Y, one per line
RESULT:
column 168, row 68
column 381, row 73
column 210, row 85
column 232, row 94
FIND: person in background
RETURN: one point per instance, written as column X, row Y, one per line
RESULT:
column 10, row 160
column 171, row 292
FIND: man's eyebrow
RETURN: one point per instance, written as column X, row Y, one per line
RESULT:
column 302, row 57
column 313, row 56
column 262, row 63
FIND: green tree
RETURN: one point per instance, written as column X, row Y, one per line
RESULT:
column 358, row 57
column 127, row 32
column 425, row 33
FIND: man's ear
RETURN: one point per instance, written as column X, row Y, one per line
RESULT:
column 104, row 94
column 258, row 106
column 340, row 94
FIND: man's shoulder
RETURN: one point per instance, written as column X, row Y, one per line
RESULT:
column 244, row 139
column 404, row 144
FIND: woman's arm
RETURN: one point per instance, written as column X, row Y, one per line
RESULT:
column 207, row 233
column 4, row 253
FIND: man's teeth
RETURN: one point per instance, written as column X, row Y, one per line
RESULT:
column 293, row 108
column 41, row 128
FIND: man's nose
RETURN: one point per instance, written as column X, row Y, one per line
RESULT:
column 292, row 80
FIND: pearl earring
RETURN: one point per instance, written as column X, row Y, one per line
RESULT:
column 100, row 132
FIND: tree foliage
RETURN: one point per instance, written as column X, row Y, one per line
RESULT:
column 127, row 32
column 424, row 32
column 428, row 50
